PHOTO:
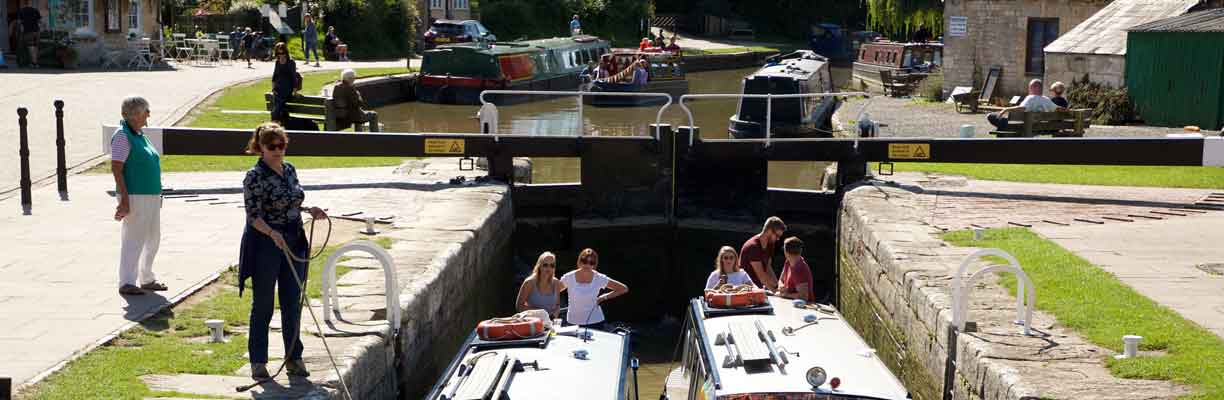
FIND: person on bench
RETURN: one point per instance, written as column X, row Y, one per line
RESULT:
column 1034, row 102
column 349, row 103
column 1057, row 90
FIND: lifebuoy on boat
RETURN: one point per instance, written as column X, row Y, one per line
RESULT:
column 519, row 326
column 731, row 296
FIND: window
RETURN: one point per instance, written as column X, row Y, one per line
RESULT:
column 112, row 15
column 133, row 15
column 1041, row 31
column 435, row 4
column 82, row 15
column 459, row 4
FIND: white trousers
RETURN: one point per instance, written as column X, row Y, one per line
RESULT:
column 141, row 236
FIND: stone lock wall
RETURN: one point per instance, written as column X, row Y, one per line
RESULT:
column 997, row 35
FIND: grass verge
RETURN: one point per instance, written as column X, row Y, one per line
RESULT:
column 169, row 343
column 1103, row 309
column 1104, row 175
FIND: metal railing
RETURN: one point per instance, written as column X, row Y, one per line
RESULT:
column 768, row 105
column 331, row 295
column 1025, row 299
column 488, row 111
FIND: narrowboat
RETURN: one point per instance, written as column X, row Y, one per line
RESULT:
column 800, row 72
column 907, row 61
column 562, row 363
column 781, row 349
column 458, row 73
column 665, row 74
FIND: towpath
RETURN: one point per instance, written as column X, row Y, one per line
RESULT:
column 92, row 97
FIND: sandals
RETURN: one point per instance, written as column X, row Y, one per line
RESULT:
column 130, row 290
column 154, row 286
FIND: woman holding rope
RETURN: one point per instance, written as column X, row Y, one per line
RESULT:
column 584, row 286
column 273, row 198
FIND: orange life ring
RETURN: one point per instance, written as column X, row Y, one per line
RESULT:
column 735, row 297
column 513, row 328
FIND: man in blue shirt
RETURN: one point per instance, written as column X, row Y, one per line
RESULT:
column 575, row 27
column 310, row 39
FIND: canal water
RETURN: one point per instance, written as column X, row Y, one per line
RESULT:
column 558, row 116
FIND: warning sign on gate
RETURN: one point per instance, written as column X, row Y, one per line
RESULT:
column 909, row 151
column 444, row 146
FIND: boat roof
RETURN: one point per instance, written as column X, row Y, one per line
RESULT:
column 524, row 46
column 830, row 344
column 804, row 65
column 560, row 375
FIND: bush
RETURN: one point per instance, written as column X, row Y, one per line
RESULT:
column 1110, row 106
column 373, row 28
column 931, row 88
column 617, row 21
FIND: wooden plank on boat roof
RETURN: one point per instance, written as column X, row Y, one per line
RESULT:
column 748, row 342
column 480, row 382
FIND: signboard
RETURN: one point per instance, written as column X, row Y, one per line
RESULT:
column 909, row 151
column 958, row 26
column 444, row 146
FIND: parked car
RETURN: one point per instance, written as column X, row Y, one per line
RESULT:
column 446, row 31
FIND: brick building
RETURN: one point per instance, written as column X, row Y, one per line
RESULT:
column 442, row 9
column 1011, row 34
column 94, row 23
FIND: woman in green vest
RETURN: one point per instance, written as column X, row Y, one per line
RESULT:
column 136, row 166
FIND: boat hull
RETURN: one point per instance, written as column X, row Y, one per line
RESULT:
column 820, row 124
column 675, row 89
column 443, row 93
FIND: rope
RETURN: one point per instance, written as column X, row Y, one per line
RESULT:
column 728, row 288
column 511, row 334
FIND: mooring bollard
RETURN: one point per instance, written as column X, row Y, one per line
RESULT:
column 24, row 152
column 61, row 163
column 6, row 388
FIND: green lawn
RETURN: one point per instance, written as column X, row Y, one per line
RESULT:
column 169, row 343
column 1106, row 175
column 1102, row 309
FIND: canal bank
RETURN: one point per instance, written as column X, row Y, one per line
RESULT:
column 895, row 278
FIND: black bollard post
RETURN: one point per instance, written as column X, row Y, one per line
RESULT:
column 24, row 152
column 6, row 388
column 61, row 163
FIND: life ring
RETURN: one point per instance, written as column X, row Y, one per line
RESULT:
column 730, row 296
column 513, row 328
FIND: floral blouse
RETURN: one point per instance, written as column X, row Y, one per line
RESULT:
column 275, row 198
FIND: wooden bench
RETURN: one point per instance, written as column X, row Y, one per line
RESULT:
column 320, row 109
column 894, row 86
column 1068, row 123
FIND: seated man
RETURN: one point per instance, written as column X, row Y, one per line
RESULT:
column 349, row 103
column 796, row 281
column 1034, row 102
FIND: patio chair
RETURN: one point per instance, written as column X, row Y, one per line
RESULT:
column 205, row 51
column 183, row 50
column 139, row 54
column 225, row 53
column 111, row 56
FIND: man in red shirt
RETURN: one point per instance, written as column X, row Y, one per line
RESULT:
column 796, row 275
column 756, row 255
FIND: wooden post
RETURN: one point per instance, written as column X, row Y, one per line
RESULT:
column 61, row 163
column 24, row 152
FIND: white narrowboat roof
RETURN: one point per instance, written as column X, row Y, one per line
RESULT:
column 830, row 344
column 600, row 376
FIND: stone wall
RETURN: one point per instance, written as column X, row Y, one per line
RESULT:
column 895, row 277
column 997, row 36
column 1065, row 67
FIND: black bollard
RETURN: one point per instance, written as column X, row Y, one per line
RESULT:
column 6, row 388
column 24, row 152
column 61, row 163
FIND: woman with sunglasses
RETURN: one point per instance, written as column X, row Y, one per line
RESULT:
column 273, row 198
column 727, row 270
column 541, row 290
column 284, row 83
column 584, row 286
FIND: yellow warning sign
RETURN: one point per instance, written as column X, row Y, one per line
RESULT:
column 909, row 151
column 444, row 146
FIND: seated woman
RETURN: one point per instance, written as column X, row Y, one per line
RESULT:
column 333, row 47
column 583, row 287
column 796, row 282
column 727, row 270
column 350, row 106
column 541, row 290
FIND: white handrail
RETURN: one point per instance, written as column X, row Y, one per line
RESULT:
column 331, row 295
column 1024, row 309
column 581, row 94
column 768, row 104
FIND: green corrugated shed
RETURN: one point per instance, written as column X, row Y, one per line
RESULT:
column 1175, row 70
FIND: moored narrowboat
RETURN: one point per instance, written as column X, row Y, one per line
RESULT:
column 905, row 61
column 561, row 363
column 801, row 72
column 781, row 349
column 665, row 74
column 458, row 73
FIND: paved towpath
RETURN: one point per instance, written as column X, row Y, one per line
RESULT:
column 93, row 97
column 58, row 273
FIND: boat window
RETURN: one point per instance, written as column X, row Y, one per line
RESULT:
column 909, row 59
column 937, row 57
column 877, row 56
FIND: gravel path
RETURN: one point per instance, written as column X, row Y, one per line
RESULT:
column 905, row 117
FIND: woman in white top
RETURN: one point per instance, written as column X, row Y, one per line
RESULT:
column 583, row 287
column 727, row 270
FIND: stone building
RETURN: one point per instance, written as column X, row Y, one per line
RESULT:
column 1010, row 34
column 1097, row 47
column 94, row 24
